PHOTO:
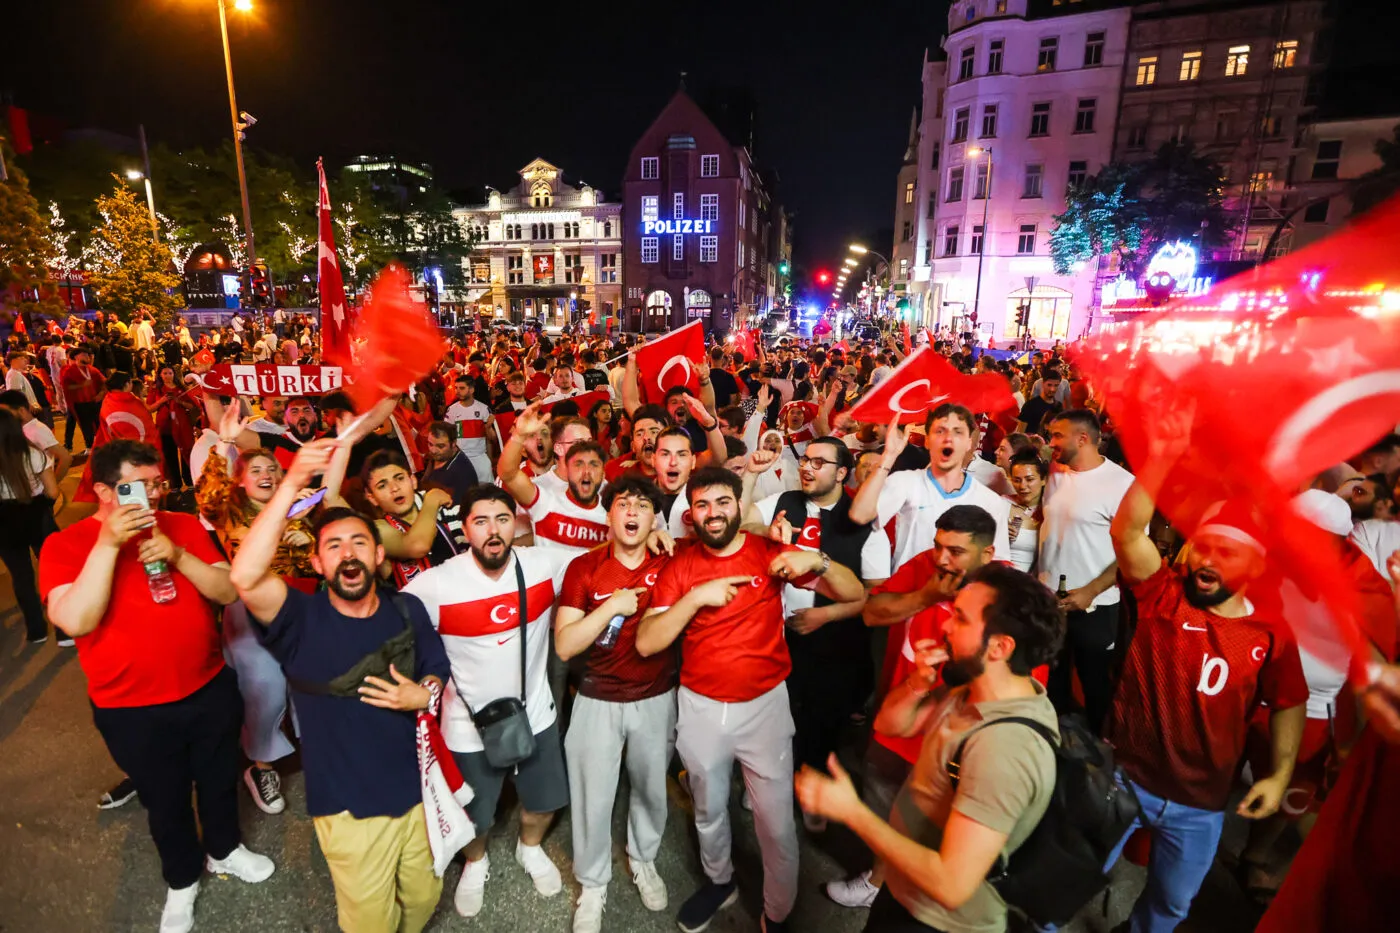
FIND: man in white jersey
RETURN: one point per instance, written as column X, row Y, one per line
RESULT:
column 573, row 518
column 474, row 602
column 674, row 461
column 470, row 418
column 917, row 498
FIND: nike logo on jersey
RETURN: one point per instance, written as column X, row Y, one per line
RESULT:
column 602, row 597
column 502, row 641
column 1193, row 628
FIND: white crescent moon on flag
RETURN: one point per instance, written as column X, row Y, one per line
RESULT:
column 127, row 418
column 1288, row 440
column 677, row 360
column 897, row 399
column 1257, row 653
column 500, row 621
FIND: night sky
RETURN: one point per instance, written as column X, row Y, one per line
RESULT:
column 479, row 89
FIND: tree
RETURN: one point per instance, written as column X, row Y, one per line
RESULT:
column 128, row 266
column 1132, row 208
column 24, row 246
column 1381, row 182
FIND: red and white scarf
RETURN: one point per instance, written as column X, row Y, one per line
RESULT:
column 445, row 793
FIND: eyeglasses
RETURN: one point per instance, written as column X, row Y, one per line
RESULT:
column 815, row 463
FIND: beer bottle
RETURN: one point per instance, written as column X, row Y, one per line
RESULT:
column 1062, row 592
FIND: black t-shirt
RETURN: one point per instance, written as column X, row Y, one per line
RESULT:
column 357, row 757
column 1034, row 412
column 725, row 386
column 594, row 378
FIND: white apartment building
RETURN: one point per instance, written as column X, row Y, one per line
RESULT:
column 1335, row 154
column 544, row 249
column 1023, row 105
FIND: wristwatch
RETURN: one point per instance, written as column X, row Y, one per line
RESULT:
column 826, row 562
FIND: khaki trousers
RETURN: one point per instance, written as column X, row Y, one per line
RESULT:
column 382, row 869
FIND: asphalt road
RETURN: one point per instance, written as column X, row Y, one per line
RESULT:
column 67, row 867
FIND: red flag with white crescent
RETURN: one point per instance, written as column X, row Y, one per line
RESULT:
column 123, row 417
column 401, row 342
column 671, row 361
column 926, row 380
column 335, row 321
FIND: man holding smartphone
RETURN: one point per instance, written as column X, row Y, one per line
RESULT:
column 162, row 698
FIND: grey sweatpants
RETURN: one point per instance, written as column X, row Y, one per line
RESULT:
column 594, row 750
column 710, row 737
column 262, row 685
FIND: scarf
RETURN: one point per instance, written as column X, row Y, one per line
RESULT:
column 445, row 793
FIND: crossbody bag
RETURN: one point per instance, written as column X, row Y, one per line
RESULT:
column 504, row 724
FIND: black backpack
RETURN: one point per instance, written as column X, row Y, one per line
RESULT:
column 1061, row 865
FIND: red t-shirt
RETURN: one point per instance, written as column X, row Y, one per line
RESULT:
column 81, row 383
column 1190, row 683
column 618, row 674
column 617, row 466
column 737, row 652
column 142, row 652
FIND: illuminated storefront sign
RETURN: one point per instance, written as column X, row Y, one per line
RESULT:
column 677, row 226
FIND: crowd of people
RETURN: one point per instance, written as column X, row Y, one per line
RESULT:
column 588, row 577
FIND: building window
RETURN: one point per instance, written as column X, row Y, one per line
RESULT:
column 974, row 242
column 1316, row 213
column 1146, row 70
column 950, row 241
column 1049, row 48
column 1225, row 125
column 955, row 183
column 709, row 207
column 1286, row 53
column 651, row 207
column 1137, row 137
column 1078, row 173
column 549, row 229
column 741, row 213
column 607, row 268
column 994, row 50
column 709, row 166
column 1093, row 50
column 989, row 121
column 741, row 254
column 937, row 151
column 960, row 121
column 678, row 205
column 1190, row 65
column 979, row 188
column 607, row 228
column 908, row 232
column 1001, row 6
column 1025, row 242
column 1236, row 61
column 1040, row 119
column 1180, row 133
column 651, row 168
column 678, row 247
column 1035, row 173
column 709, row 249
column 903, row 268
column 515, row 270
column 909, row 193
column 1329, row 159
column 1271, row 126
column 928, row 251
column 965, row 63
column 573, row 269
column 651, row 249
column 1084, row 115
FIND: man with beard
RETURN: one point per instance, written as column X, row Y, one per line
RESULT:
column 543, row 462
column 1080, row 500
column 419, row 529
column 1201, row 663
column 942, row 838
column 274, row 417
column 363, row 790
column 723, row 597
column 447, row 467
column 475, row 602
column 828, row 641
column 917, row 603
column 573, row 519
column 915, row 498
column 625, row 702
column 470, row 417
column 647, row 422
column 302, row 425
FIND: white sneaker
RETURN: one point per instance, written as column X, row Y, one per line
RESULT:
column 242, row 864
column 178, row 915
column 649, row 884
column 538, row 866
column 588, row 918
column 471, row 890
column 853, row 892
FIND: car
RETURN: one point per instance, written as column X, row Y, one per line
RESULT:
column 866, row 330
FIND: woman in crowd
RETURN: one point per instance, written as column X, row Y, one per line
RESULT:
column 600, row 422
column 1028, row 475
column 176, row 415
column 229, row 502
column 1010, row 446
column 28, row 489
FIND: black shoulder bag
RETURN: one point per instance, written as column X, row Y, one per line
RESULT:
column 504, row 724
column 398, row 651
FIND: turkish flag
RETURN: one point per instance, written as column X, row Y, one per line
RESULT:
column 123, row 416
column 926, row 380
column 744, row 343
column 401, row 344
column 270, row 379
column 335, row 322
column 669, row 362
column 506, row 420
column 1292, row 381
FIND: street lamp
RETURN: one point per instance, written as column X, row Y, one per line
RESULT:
column 986, row 206
column 241, row 122
column 135, row 175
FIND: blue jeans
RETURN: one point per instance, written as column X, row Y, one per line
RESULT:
column 1184, row 840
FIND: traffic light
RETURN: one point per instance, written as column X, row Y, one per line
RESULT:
column 261, row 286
column 823, row 277
column 784, row 268
column 1023, row 315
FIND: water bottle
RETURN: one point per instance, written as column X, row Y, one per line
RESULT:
column 609, row 636
column 160, row 581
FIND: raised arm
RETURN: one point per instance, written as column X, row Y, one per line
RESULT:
column 1138, row 557
column 513, row 479
column 631, row 393
column 704, row 416
column 865, row 505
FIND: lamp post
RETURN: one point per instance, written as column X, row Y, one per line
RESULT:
column 982, row 247
column 889, row 268
column 135, row 175
column 239, row 125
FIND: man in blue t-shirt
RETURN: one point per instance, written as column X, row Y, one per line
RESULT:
column 362, row 783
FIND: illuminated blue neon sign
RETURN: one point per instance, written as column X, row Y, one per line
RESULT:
column 678, row 226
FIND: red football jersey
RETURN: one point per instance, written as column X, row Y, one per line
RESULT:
column 737, row 652
column 1190, row 683
column 618, row 674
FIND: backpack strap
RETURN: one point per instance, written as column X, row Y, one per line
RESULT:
column 954, row 766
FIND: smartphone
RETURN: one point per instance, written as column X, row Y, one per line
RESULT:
column 133, row 493
column 302, row 506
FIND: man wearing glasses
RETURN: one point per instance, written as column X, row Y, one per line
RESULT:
column 828, row 640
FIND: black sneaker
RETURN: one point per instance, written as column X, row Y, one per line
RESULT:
column 772, row 926
column 700, row 908
column 122, row 793
column 265, row 785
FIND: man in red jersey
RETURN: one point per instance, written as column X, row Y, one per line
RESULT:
column 648, row 421
column 723, row 596
column 624, row 701
column 1200, row 663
